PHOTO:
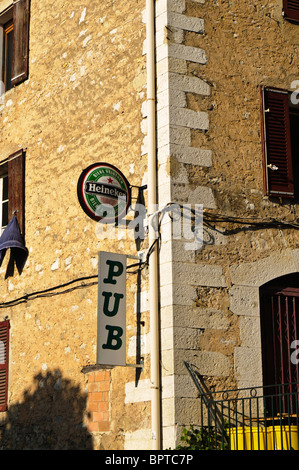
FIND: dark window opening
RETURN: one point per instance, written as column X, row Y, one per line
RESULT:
column 4, row 358
column 291, row 9
column 294, row 128
column 8, row 54
column 12, row 190
column 16, row 188
column 4, row 202
column 279, row 304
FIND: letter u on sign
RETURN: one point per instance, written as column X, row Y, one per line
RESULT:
column 111, row 329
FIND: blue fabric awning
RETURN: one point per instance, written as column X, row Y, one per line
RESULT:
column 12, row 238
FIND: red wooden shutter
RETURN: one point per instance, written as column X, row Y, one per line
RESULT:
column 291, row 9
column 4, row 354
column 278, row 168
column 21, row 14
column 16, row 187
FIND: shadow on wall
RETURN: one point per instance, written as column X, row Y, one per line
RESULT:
column 51, row 417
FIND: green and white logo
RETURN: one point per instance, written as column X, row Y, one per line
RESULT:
column 104, row 193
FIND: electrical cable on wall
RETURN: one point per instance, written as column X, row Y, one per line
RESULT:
column 52, row 291
column 208, row 218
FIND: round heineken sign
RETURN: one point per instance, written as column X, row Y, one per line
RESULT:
column 104, row 193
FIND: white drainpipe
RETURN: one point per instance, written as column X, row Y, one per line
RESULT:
column 152, row 206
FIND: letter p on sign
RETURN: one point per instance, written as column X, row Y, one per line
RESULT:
column 111, row 328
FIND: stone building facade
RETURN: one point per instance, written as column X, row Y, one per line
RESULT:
column 84, row 100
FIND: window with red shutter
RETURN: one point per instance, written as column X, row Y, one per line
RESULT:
column 280, row 143
column 3, row 199
column 20, row 60
column 16, row 188
column 7, row 54
column 12, row 190
column 4, row 357
column 14, row 32
column 294, row 126
column 291, row 9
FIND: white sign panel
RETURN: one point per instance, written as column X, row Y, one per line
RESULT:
column 111, row 341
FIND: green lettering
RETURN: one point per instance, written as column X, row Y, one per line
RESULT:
column 117, row 297
column 114, row 337
column 112, row 272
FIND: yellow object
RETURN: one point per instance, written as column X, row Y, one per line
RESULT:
column 270, row 438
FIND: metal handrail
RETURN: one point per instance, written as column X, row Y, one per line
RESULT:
column 254, row 418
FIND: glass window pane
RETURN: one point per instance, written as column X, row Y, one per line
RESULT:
column 9, row 53
column 5, row 188
column 4, row 214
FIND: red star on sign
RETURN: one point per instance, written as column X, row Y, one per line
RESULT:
column 110, row 180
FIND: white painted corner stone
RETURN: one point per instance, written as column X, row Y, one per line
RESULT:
column 180, row 51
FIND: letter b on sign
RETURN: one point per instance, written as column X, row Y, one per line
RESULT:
column 111, row 334
column 114, row 340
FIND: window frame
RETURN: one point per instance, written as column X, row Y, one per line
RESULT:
column 14, row 168
column 18, row 13
column 288, row 12
column 16, row 187
column 279, row 310
column 3, row 200
column 6, row 17
column 7, row 28
column 287, row 188
column 4, row 334
column 21, row 21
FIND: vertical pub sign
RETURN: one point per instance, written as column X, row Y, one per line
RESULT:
column 111, row 328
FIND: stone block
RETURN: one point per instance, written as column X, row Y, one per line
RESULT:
column 250, row 332
column 177, row 295
column 188, row 84
column 188, row 411
column 167, row 341
column 170, row 95
column 263, row 270
column 184, row 386
column 166, row 317
column 168, row 412
column 171, row 436
column 191, row 155
column 167, row 387
column 209, row 363
column 141, row 392
column 199, row 195
column 143, row 342
column 193, row 54
column 175, row 250
column 138, row 440
column 188, row 23
column 248, row 364
column 204, row 318
column 188, row 118
column 197, row 275
column 244, row 300
column 170, row 5
column 167, row 362
column 186, row 338
column 173, row 134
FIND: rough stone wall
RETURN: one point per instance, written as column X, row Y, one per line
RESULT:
column 215, row 159
column 81, row 104
column 247, row 45
column 84, row 102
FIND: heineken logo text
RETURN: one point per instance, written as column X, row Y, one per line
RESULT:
column 100, row 188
